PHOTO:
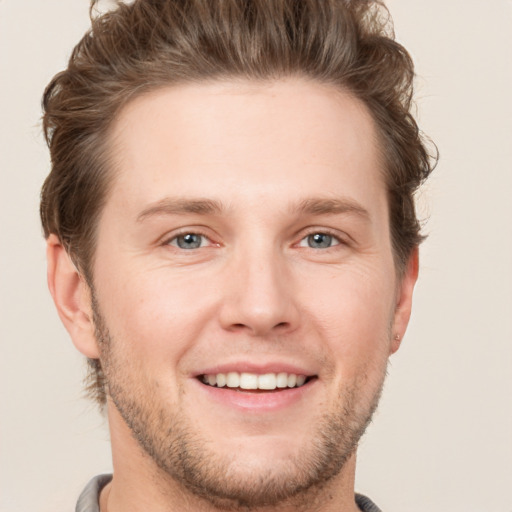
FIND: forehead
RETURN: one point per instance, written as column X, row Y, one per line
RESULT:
column 245, row 140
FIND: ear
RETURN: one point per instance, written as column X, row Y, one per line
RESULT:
column 404, row 300
column 72, row 297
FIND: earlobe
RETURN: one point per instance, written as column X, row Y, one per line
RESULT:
column 72, row 297
column 404, row 300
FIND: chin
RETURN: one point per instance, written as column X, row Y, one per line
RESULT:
column 247, row 471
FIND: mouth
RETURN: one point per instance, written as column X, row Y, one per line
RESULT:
column 254, row 382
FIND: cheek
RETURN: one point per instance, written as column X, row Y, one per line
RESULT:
column 355, row 313
column 154, row 315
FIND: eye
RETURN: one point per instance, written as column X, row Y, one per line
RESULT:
column 189, row 241
column 319, row 241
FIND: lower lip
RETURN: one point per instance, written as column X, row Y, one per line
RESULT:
column 257, row 401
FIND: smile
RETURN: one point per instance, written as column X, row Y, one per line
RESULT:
column 254, row 381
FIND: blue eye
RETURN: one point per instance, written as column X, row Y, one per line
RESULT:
column 188, row 241
column 319, row 241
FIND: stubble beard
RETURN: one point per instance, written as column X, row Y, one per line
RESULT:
column 179, row 451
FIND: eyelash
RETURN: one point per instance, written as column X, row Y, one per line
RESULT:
column 175, row 237
column 335, row 238
column 325, row 232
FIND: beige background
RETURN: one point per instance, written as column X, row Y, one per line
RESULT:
column 442, row 439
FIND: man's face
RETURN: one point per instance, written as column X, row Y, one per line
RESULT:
column 246, row 240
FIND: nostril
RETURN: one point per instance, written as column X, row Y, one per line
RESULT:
column 238, row 328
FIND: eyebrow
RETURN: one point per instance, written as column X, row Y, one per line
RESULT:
column 310, row 206
column 321, row 206
column 180, row 206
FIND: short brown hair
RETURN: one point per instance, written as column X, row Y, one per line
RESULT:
column 149, row 44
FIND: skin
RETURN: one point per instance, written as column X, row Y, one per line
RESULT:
column 279, row 162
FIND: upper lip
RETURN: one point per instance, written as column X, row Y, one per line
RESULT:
column 260, row 369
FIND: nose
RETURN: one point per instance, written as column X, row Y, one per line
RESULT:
column 259, row 298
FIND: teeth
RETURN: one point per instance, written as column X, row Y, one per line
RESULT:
column 267, row 381
column 248, row 381
column 233, row 380
column 300, row 380
column 282, row 380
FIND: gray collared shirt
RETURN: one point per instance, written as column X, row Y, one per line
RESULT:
column 89, row 499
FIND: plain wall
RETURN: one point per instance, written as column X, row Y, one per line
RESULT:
column 442, row 438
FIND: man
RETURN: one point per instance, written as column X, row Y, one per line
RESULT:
column 232, row 243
